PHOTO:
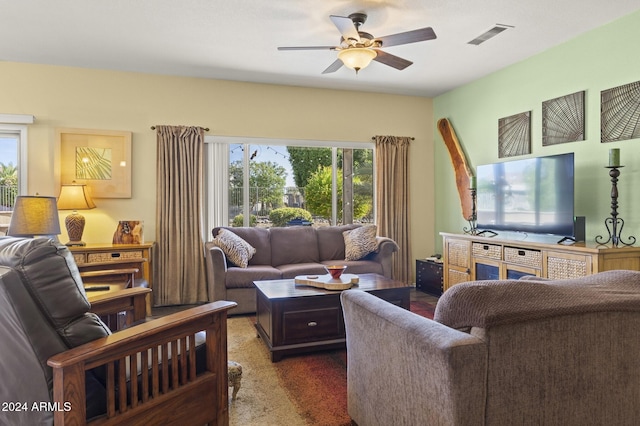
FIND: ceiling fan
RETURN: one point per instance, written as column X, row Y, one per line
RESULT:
column 357, row 49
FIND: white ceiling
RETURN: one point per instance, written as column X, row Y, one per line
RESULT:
column 238, row 39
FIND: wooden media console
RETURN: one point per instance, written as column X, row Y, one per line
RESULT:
column 473, row 257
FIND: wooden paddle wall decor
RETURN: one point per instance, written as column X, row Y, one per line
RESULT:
column 460, row 167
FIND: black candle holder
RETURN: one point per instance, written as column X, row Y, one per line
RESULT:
column 473, row 219
column 614, row 224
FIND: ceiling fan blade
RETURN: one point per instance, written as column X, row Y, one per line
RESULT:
column 391, row 60
column 308, row 48
column 346, row 27
column 335, row 66
column 414, row 36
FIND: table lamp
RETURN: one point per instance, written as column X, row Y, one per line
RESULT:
column 34, row 216
column 75, row 197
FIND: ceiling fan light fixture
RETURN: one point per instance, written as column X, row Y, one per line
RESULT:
column 357, row 58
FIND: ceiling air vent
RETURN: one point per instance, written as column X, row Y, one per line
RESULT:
column 489, row 34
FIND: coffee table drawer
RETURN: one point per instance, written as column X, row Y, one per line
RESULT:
column 312, row 325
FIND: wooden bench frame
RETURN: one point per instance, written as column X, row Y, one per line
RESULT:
column 170, row 393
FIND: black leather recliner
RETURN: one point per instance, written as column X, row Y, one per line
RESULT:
column 60, row 364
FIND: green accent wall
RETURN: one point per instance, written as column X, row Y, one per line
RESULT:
column 598, row 60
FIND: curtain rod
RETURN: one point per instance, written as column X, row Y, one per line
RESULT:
column 206, row 129
column 373, row 138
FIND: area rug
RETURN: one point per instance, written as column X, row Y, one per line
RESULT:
column 422, row 308
column 298, row 390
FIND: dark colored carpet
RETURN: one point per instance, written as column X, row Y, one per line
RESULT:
column 317, row 383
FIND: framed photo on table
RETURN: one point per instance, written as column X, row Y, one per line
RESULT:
column 100, row 159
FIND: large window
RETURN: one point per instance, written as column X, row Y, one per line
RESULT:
column 275, row 183
column 13, row 163
column 13, row 158
column 9, row 144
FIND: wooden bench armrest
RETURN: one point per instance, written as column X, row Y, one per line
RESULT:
column 130, row 301
column 115, row 262
column 146, row 334
column 108, row 272
column 118, row 294
column 167, row 392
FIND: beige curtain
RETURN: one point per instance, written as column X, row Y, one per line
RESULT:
column 180, row 263
column 392, row 199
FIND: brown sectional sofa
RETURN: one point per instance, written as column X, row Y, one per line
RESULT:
column 285, row 253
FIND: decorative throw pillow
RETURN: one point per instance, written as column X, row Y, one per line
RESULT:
column 359, row 242
column 237, row 250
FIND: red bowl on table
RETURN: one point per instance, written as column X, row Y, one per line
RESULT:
column 335, row 270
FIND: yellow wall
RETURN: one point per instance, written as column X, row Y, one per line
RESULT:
column 107, row 100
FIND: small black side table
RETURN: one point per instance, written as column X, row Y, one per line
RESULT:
column 429, row 276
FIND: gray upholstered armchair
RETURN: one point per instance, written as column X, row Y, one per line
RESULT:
column 499, row 353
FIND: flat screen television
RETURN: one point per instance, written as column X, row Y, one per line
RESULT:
column 533, row 195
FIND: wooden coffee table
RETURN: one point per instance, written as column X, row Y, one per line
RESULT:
column 293, row 318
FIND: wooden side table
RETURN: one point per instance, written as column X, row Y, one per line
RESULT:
column 111, row 256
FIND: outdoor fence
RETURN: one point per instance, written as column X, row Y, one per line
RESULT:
column 291, row 197
column 8, row 196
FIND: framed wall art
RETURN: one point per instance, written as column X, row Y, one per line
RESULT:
column 563, row 119
column 101, row 159
column 620, row 113
column 514, row 135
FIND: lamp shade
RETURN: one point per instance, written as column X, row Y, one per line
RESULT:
column 75, row 197
column 34, row 215
column 357, row 58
